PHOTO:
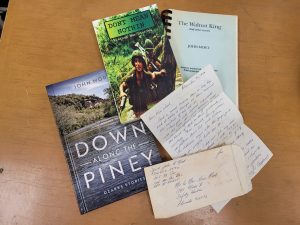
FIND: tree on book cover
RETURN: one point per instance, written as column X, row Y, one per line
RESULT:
column 105, row 158
column 138, row 59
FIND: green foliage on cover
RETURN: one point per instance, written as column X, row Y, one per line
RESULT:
column 116, row 53
column 74, row 111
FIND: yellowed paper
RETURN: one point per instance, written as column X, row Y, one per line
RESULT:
column 197, row 180
column 199, row 116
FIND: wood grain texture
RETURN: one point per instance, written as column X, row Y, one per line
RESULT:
column 49, row 41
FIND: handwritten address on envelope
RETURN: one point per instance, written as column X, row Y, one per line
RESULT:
column 199, row 116
column 197, row 180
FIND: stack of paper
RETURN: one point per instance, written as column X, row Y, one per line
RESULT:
column 199, row 116
column 215, row 155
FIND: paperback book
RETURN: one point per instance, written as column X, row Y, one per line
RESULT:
column 199, row 39
column 138, row 59
column 105, row 158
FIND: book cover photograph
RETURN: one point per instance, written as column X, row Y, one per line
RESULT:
column 105, row 158
column 138, row 59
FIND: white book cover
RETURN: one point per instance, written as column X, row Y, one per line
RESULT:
column 199, row 39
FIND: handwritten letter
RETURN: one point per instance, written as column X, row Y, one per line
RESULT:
column 197, row 180
column 199, row 116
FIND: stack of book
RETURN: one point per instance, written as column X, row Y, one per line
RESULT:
column 157, row 83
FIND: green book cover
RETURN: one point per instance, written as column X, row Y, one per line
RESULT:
column 138, row 59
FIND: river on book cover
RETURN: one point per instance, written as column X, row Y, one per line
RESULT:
column 105, row 158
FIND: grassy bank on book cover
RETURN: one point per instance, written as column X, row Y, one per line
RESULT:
column 105, row 158
column 138, row 59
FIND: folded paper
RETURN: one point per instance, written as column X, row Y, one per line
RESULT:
column 197, row 180
column 199, row 116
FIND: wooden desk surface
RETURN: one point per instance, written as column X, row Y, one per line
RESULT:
column 49, row 41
